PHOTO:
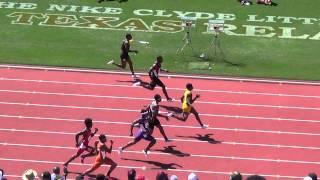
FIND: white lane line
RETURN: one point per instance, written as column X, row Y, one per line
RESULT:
column 260, row 118
column 130, row 110
column 148, row 99
column 52, row 68
column 72, row 94
column 177, row 89
column 71, row 107
column 168, row 154
column 139, row 167
column 161, row 139
column 55, row 162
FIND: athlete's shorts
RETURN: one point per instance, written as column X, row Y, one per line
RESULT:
column 186, row 108
column 83, row 147
column 124, row 56
column 155, row 81
column 143, row 135
column 100, row 162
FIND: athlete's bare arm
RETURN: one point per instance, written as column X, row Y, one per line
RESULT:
column 127, row 48
column 95, row 131
column 133, row 124
column 189, row 99
column 77, row 137
column 195, row 98
column 109, row 150
column 164, row 70
column 151, row 69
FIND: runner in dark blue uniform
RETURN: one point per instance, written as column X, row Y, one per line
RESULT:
column 146, row 124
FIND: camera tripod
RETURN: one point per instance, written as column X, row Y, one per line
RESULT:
column 187, row 42
column 215, row 46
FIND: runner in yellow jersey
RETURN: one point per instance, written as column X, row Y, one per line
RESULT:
column 187, row 107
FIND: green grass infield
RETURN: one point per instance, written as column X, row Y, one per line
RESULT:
column 281, row 41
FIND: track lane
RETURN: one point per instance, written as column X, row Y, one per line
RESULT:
column 185, row 140
column 87, row 103
column 207, row 97
column 173, row 82
column 157, row 161
column 231, row 86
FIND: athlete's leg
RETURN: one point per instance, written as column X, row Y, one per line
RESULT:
column 129, row 144
column 73, row 157
column 93, row 168
column 162, row 132
column 123, row 61
column 91, row 152
column 196, row 114
column 130, row 65
column 122, row 65
column 164, row 89
column 181, row 116
column 152, row 143
column 150, row 85
column 137, row 138
column 185, row 116
column 112, row 164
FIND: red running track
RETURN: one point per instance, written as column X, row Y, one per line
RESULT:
column 255, row 128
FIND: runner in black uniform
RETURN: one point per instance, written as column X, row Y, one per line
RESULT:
column 124, row 56
column 154, row 76
column 154, row 112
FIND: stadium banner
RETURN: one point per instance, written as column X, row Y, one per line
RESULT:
column 108, row 18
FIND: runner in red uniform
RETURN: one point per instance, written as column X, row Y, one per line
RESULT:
column 83, row 144
column 101, row 150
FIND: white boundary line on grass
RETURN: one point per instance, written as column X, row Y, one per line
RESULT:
column 161, row 139
column 143, row 168
column 169, row 75
column 149, row 99
column 170, row 88
column 167, row 154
